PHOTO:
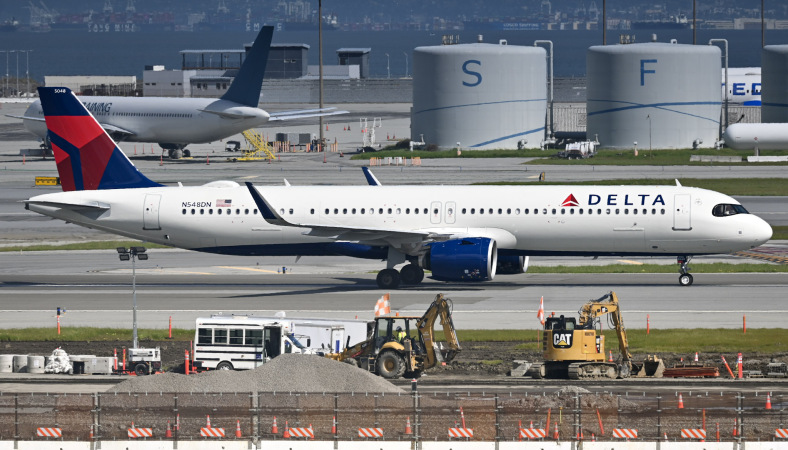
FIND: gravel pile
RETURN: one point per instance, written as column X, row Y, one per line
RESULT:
column 285, row 373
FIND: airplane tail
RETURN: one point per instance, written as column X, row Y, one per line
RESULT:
column 245, row 88
column 87, row 158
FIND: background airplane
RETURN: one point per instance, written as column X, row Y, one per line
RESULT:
column 460, row 233
column 174, row 123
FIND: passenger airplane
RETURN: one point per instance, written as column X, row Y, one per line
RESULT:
column 745, row 85
column 174, row 123
column 460, row 233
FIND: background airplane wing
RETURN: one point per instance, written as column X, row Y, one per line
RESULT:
column 304, row 113
column 117, row 131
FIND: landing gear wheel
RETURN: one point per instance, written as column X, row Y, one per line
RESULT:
column 388, row 279
column 224, row 365
column 411, row 274
column 390, row 365
column 141, row 369
column 176, row 153
column 685, row 279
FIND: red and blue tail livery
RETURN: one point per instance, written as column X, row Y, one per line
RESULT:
column 87, row 158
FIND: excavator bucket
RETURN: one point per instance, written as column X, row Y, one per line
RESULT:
column 652, row 366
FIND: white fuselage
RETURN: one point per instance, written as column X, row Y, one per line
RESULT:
column 178, row 121
column 744, row 85
column 223, row 218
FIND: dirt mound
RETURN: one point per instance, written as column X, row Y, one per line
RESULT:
column 285, row 373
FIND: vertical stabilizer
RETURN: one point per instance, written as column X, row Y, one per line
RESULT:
column 87, row 158
column 245, row 89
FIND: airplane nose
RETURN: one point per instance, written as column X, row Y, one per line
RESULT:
column 761, row 232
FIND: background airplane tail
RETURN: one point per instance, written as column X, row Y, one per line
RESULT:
column 87, row 158
column 245, row 88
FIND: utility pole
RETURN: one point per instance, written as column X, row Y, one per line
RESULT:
column 320, row 51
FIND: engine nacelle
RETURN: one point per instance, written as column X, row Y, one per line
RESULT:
column 512, row 264
column 468, row 259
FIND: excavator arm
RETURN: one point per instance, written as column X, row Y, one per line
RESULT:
column 607, row 304
column 440, row 307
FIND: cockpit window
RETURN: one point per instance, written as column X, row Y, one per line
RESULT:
column 725, row 209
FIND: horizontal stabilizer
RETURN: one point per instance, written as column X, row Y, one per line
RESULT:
column 228, row 115
column 71, row 205
column 298, row 115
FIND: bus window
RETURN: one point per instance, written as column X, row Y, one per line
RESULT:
column 254, row 337
column 204, row 336
column 236, row 336
column 220, row 336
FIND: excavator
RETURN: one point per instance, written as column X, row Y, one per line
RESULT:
column 405, row 345
column 575, row 349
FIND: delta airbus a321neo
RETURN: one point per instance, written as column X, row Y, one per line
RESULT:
column 460, row 233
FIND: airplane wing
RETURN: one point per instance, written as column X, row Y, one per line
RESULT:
column 112, row 129
column 305, row 113
column 410, row 239
column 36, row 119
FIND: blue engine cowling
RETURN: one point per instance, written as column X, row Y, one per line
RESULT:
column 512, row 264
column 469, row 259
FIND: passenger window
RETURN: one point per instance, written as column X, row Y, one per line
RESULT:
column 204, row 336
column 508, row 210
column 407, row 210
column 490, row 211
column 290, row 211
column 473, row 210
column 607, row 211
column 254, row 337
column 202, row 211
column 463, row 210
column 626, row 210
column 662, row 211
column 363, row 211
column 517, row 211
column 634, row 210
column 435, row 211
column 237, row 211
column 254, row 211
column 229, row 211
column 617, row 211
column 563, row 211
column 389, row 211
column 554, row 211
column 500, row 211
column 192, row 211
column 572, row 211
column 312, row 211
column 425, row 210
column 219, row 211
column 380, row 210
column 353, row 211
column 236, row 336
column 481, row 210
column 336, row 210
column 184, row 211
column 246, row 211
column 220, row 336
column 326, row 211
column 344, row 210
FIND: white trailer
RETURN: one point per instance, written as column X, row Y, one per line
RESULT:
column 323, row 334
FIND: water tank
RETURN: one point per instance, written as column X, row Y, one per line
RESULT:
column 35, row 364
column 774, row 84
column 660, row 95
column 484, row 96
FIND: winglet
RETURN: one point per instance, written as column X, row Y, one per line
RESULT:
column 266, row 210
column 677, row 182
column 245, row 88
column 371, row 180
column 87, row 158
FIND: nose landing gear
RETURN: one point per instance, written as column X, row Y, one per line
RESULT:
column 685, row 279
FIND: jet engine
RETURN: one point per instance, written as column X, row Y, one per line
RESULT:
column 512, row 264
column 468, row 259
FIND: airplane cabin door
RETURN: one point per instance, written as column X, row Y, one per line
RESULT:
column 681, row 212
column 435, row 212
column 150, row 213
column 451, row 212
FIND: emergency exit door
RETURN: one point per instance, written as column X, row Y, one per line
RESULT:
column 150, row 212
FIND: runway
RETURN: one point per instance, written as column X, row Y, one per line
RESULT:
column 94, row 287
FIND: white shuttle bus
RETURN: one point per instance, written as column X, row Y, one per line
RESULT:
column 241, row 342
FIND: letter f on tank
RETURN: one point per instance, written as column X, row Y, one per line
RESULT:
column 644, row 71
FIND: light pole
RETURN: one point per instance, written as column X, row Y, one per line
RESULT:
column 132, row 254
column 388, row 68
column 27, row 70
column 5, row 84
column 649, row 132
column 406, row 63
column 17, row 71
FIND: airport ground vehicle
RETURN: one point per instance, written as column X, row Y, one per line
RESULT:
column 145, row 361
column 405, row 345
column 575, row 349
column 241, row 342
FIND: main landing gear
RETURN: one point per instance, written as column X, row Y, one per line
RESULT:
column 685, row 279
column 391, row 278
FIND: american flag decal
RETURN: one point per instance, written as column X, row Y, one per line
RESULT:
column 221, row 203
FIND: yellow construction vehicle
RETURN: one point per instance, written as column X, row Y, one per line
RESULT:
column 575, row 349
column 405, row 345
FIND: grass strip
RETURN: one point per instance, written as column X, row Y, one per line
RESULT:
column 92, row 245
column 673, row 340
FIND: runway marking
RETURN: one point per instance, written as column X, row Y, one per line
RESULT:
column 251, row 269
column 627, row 261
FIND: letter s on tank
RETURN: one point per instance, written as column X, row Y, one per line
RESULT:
column 477, row 75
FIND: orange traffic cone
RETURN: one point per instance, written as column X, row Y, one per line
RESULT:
column 23, row 160
column 769, row 401
column 681, row 402
column 610, row 357
column 208, row 421
column 520, row 427
column 408, row 430
column 326, row 127
column 555, row 434
column 286, row 435
column 593, row 438
column 168, row 433
column 334, row 425
column 696, row 356
column 311, row 432
column 238, row 429
column 91, row 432
column 207, row 160
column 274, row 428
column 161, row 160
column 735, row 428
column 666, row 437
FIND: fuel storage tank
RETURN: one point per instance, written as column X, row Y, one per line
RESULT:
column 774, row 84
column 484, row 96
column 660, row 95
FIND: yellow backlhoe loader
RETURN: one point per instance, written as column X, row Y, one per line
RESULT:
column 405, row 346
column 575, row 349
